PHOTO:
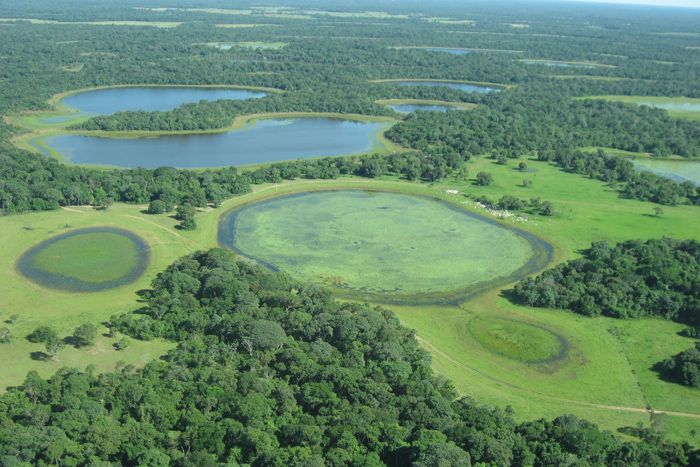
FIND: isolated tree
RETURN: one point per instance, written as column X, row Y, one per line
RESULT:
column 42, row 334
column 527, row 182
column 12, row 319
column 462, row 172
column 105, row 204
column 53, row 346
column 546, row 208
column 522, row 166
column 158, row 206
column 658, row 211
column 484, row 179
column 185, row 214
column 84, row 335
column 122, row 344
column 5, row 336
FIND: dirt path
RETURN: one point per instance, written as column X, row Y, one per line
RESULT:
column 162, row 227
column 617, row 408
column 73, row 210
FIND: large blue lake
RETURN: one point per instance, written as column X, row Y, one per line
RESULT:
column 258, row 142
column 149, row 99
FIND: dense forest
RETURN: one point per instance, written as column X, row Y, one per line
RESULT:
column 683, row 368
column 632, row 279
column 269, row 371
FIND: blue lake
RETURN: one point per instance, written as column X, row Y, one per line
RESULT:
column 449, row 50
column 259, row 142
column 677, row 170
column 408, row 108
column 557, row 64
column 149, row 99
column 459, row 86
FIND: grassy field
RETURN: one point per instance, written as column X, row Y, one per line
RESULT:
column 605, row 374
column 379, row 246
column 573, row 64
column 592, row 78
column 154, row 24
column 679, row 107
column 475, row 83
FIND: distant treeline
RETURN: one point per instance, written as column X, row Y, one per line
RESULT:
column 540, row 118
column 554, row 129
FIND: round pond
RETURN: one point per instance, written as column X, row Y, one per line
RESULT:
column 518, row 340
column 86, row 260
column 382, row 246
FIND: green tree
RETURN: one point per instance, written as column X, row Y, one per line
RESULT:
column 84, row 335
column 122, row 344
column 53, row 346
column 484, row 179
column 5, row 336
column 158, row 206
column 185, row 214
column 42, row 334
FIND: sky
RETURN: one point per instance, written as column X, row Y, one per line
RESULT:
column 685, row 3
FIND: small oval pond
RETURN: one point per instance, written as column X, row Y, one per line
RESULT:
column 518, row 340
column 680, row 107
column 466, row 87
column 556, row 64
column 256, row 142
column 149, row 98
column 386, row 247
column 408, row 108
column 449, row 50
column 677, row 170
column 86, row 260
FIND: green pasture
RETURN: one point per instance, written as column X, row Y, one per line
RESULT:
column 565, row 63
column 383, row 246
column 679, row 107
column 155, row 24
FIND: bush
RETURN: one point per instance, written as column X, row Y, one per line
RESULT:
column 42, row 334
column 683, row 368
column 484, row 179
column 5, row 336
column 84, row 335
